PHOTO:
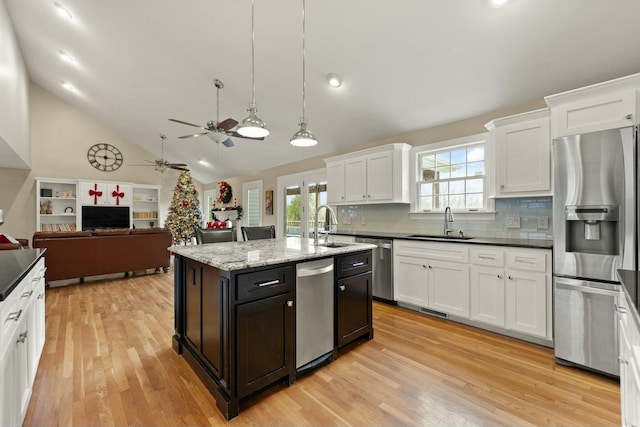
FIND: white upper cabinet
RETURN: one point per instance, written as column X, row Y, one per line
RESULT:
column 377, row 175
column 523, row 154
column 609, row 105
column 105, row 193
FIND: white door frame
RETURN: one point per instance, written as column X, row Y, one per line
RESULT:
column 300, row 179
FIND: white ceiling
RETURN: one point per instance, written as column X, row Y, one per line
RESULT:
column 407, row 65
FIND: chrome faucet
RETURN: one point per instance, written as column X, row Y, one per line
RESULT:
column 448, row 218
column 332, row 220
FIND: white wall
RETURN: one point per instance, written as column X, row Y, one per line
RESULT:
column 61, row 134
column 15, row 148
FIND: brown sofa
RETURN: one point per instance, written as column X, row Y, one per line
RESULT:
column 22, row 244
column 81, row 254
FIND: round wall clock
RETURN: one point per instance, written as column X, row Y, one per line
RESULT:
column 105, row 157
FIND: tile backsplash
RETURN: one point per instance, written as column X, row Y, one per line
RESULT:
column 533, row 214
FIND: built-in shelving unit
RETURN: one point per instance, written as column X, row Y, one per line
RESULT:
column 145, row 211
column 56, row 204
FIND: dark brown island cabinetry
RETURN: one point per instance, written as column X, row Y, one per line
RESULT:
column 353, row 298
column 236, row 329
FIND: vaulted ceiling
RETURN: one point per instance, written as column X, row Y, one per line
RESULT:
column 407, row 65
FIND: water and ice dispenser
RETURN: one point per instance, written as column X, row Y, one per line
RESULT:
column 592, row 229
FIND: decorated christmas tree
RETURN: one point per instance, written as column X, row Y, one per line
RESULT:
column 184, row 211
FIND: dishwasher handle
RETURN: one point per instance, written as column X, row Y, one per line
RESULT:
column 306, row 272
column 586, row 289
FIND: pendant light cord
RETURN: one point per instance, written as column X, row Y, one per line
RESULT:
column 253, row 37
column 304, row 71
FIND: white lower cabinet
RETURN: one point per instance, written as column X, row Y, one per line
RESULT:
column 22, row 339
column 504, row 287
column 629, row 337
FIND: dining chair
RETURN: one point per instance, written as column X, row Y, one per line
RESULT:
column 215, row 235
column 255, row 233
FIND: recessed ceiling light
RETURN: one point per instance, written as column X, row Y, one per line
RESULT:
column 62, row 11
column 497, row 3
column 334, row 80
column 68, row 86
column 66, row 57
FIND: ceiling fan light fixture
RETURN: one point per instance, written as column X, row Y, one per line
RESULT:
column 253, row 126
column 303, row 138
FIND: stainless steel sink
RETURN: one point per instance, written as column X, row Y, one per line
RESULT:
column 334, row 244
column 438, row 236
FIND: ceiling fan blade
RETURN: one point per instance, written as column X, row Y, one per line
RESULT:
column 188, row 124
column 228, row 143
column 227, row 124
column 193, row 135
column 177, row 164
column 142, row 165
column 178, row 168
column 236, row 134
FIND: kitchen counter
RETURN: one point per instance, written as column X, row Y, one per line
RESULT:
column 232, row 256
column 14, row 265
column 630, row 280
column 496, row 241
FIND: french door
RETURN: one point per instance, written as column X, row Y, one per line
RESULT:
column 300, row 195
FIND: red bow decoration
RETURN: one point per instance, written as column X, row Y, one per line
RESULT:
column 95, row 193
column 117, row 194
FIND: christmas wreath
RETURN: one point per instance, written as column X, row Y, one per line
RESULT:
column 224, row 193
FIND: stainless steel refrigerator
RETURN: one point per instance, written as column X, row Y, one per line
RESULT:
column 594, row 227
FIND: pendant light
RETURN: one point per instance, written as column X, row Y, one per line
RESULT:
column 253, row 126
column 303, row 138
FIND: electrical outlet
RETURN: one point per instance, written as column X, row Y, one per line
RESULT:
column 363, row 221
column 513, row 222
column 543, row 222
column 346, row 220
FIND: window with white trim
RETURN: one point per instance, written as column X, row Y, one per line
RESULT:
column 252, row 192
column 454, row 176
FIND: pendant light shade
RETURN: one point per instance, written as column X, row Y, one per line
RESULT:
column 253, row 126
column 303, row 137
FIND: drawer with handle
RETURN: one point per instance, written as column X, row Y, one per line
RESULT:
column 265, row 283
column 350, row 265
column 487, row 256
column 527, row 260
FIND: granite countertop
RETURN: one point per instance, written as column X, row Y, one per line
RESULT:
column 630, row 280
column 230, row 256
column 14, row 266
column 497, row 241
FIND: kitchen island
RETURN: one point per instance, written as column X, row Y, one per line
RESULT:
column 236, row 309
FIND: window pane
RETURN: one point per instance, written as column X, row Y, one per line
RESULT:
column 475, row 168
column 426, row 203
column 443, row 158
column 293, row 213
column 456, row 187
column 426, row 189
column 458, row 171
column 441, row 188
column 442, row 202
column 475, row 185
column 474, row 201
column 253, row 207
column 457, row 201
column 459, row 156
column 443, row 172
column 475, row 154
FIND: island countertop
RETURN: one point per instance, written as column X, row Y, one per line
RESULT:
column 14, row 265
column 230, row 256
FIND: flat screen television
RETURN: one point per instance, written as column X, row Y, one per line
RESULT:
column 105, row 217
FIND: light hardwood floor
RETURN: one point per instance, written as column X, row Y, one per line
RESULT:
column 108, row 361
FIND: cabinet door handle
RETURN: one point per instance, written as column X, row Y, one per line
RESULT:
column 14, row 316
column 342, row 288
column 487, row 257
column 424, row 266
column 269, row 283
column 27, row 294
column 501, row 185
column 499, row 276
column 629, row 117
column 289, row 303
column 22, row 337
column 357, row 264
column 430, row 267
column 510, row 278
column 620, row 309
column 364, row 196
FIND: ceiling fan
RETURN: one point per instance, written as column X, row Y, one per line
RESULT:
column 218, row 131
column 162, row 165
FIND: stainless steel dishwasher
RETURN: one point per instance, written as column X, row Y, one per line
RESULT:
column 314, row 313
column 382, row 268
